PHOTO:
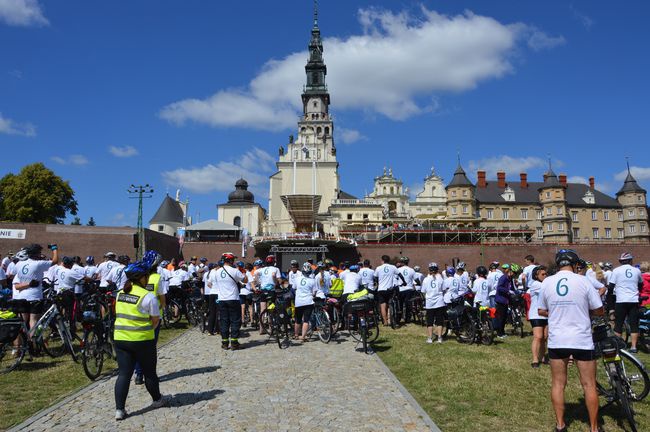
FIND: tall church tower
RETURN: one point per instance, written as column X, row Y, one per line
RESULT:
column 307, row 178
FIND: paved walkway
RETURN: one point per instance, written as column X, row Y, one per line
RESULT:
column 309, row 386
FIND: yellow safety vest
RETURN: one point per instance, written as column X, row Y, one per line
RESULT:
column 153, row 283
column 131, row 324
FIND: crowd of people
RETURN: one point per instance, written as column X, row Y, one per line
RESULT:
column 561, row 298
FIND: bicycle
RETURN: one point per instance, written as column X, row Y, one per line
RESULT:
column 97, row 321
column 460, row 321
column 320, row 322
column 417, row 308
column 394, row 309
column 623, row 378
column 516, row 314
column 484, row 328
column 46, row 335
column 279, row 322
column 362, row 321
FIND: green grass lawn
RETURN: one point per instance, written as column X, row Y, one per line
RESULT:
column 44, row 381
column 488, row 388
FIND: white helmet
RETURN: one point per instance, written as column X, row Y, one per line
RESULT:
column 21, row 255
column 306, row 267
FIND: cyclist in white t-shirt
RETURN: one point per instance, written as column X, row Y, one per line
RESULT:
column 569, row 300
column 267, row 279
column 493, row 279
column 385, row 275
column 226, row 282
column 28, row 282
column 626, row 281
column 105, row 268
column 367, row 275
column 480, row 288
column 246, row 293
column 406, row 291
column 306, row 289
column 539, row 323
column 434, row 304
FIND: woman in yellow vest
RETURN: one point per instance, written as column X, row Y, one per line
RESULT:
column 136, row 315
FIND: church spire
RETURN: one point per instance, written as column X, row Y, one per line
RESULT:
column 315, row 68
column 315, row 13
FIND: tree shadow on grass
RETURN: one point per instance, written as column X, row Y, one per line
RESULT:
column 182, row 399
column 188, row 372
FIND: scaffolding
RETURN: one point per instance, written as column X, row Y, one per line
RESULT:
column 442, row 236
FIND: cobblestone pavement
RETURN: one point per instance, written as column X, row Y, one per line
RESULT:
column 310, row 386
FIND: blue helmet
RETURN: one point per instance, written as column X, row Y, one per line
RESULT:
column 258, row 263
column 136, row 270
column 451, row 271
column 240, row 264
column 354, row 268
column 152, row 259
column 90, row 260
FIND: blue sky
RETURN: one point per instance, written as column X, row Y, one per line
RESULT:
column 192, row 94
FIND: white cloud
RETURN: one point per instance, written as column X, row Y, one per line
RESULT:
column 397, row 60
column 578, row 179
column 639, row 173
column 349, row 136
column 10, row 127
column 123, row 152
column 585, row 20
column 539, row 40
column 75, row 159
column 255, row 166
column 22, row 13
column 512, row 166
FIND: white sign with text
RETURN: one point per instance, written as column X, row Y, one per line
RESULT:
column 12, row 233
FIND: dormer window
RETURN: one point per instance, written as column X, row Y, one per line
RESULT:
column 589, row 197
column 508, row 194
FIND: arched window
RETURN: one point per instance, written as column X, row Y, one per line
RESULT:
column 303, row 129
column 327, row 130
column 237, row 221
column 392, row 190
column 319, row 130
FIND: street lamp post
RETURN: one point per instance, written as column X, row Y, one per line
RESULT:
column 140, row 192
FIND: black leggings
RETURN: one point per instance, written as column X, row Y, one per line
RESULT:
column 128, row 353
column 629, row 310
column 501, row 318
column 213, row 326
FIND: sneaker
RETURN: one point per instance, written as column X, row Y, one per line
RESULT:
column 224, row 345
column 139, row 379
column 535, row 365
column 563, row 429
column 633, row 350
column 235, row 345
column 502, row 337
column 439, row 340
column 163, row 401
column 120, row 415
column 429, row 340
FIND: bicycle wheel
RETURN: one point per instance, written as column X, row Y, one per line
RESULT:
column 67, row 339
column 466, row 333
column 92, row 354
column 392, row 314
column 324, row 328
column 373, row 327
column 52, row 342
column 190, row 313
column 282, row 335
column 644, row 342
column 265, row 323
column 364, row 335
column 624, row 402
column 635, row 375
column 10, row 356
column 335, row 319
column 487, row 332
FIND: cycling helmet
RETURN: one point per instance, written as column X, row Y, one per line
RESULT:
column 608, row 266
column 404, row 260
column 258, row 262
column 21, row 255
column 183, row 265
column 240, row 264
column 433, row 266
column 152, row 259
column 416, row 268
column 581, row 263
column 506, row 266
column 306, row 267
column 451, row 271
column 90, row 260
column 270, row 259
column 123, row 259
column 110, row 255
column 536, row 271
column 354, row 268
column 164, row 263
column 228, row 256
column 321, row 264
column 135, row 271
column 221, row 263
column 481, row 271
column 67, row 261
column 625, row 256
column 33, row 250
column 515, row 268
column 460, row 266
column 203, row 260
column 329, row 262
column 494, row 265
column 294, row 263
column 566, row 257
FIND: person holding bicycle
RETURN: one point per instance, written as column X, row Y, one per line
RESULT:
column 306, row 289
column 136, row 316
column 434, row 302
column 28, row 282
column 385, row 275
column 569, row 300
column 538, row 322
column 267, row 279
column 625, row 282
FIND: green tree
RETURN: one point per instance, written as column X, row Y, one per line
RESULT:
column 76, row 221
column 91, row 222
column 36, row 194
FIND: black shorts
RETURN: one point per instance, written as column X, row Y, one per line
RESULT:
column 629, row 311
column 383, row 296
column 246, row 299
column 303, row 313
column 577, row 354
column 27, row 306
column 538, row 323
column 436, row 316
